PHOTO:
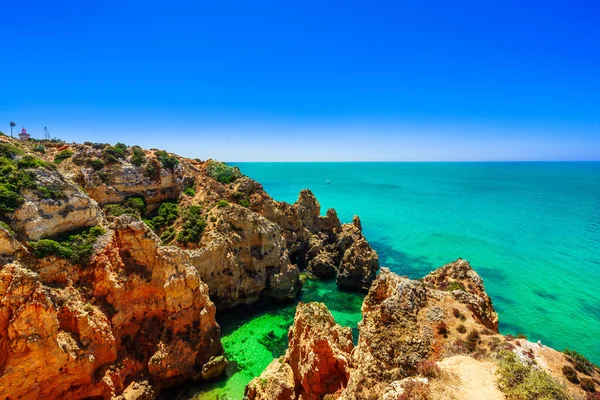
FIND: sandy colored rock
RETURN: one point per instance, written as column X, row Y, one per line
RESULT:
column 472, row 293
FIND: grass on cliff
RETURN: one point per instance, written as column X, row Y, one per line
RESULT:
column 222, row 172
column 16, row 174
column 76, row 248
column 63, row 155
column 522, row 382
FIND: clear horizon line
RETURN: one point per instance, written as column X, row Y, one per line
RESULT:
column 423, row 161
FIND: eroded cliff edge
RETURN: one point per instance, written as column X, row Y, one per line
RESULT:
column 114, row 260
column 434, row 338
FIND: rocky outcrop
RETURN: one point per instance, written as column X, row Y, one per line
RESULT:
column 317, row 362
column 466, row 287
column 322, row 245
column 69, row 209
column 139, row 308
column 394, row 336
column 408, row 328
column 138, row 315
column 241, row 256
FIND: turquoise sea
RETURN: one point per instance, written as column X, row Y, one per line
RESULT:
column 531, row 230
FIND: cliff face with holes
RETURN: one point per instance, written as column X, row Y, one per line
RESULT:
column 114, row 260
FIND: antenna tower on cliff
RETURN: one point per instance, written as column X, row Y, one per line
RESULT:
column 46, row 133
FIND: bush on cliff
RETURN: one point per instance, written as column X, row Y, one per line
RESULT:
column 5, row 226
column 222, row 172
column 580, row 363
column 63, row 155
column 112, row 154
column 167, row 160
column 97, row 164
column 76, row 248
column 134, row 205
column 522, row 382
column 138, row 157
column 193, row 227
column 570, row 374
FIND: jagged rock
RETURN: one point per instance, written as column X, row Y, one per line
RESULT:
column 143, row 308
column 8, row 244
column 40, row 218
column 323, row 265
column 392, row 340
column 317, row 361
column 358, row 267
column 275, row 383
column 241, row 256
column 474, row 296
column 214, row 368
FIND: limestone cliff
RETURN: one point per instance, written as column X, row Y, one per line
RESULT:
column 114, row 259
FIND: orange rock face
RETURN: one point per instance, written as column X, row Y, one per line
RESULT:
column 317, row 361
column 137, row 308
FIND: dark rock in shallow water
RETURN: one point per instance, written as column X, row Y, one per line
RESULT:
column 358, row 267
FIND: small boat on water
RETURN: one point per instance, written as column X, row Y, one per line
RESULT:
column 328, row 182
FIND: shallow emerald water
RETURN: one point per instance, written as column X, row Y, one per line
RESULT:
column 254, row 336
column 531, row 230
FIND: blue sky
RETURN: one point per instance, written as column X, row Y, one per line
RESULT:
column 311, row 80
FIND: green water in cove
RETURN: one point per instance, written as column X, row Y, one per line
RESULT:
column 531, row 230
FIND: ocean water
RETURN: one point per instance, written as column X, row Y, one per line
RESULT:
column 531, row 230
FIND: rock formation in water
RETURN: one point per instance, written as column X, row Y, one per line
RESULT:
column 114, row 259
column 431, row 339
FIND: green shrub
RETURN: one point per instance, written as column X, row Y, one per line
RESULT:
column 245, row 203
column 40, row 148
column 461, row 328
column 133, row 205
column 138, row 156
column 136, row 204
column 588, row 385
column 5, row 226
column 570, row 374
column 472, row 340
column 97, row 164
column 189, row 191
column 168, row 235
column 522, row 382
column 149, row 223
column 167, row 160
column 121, row 147
column 580, row 363
column 112, row 154
column 222, row 203
column 168, row 211
column 48, row 193
column 193, row 227
column 115, row 209
column 103, row 176
column 222, row 172
column 63, row 155
column 9, row 150
column 30, row 162
column 455, row 285
column 76, row 248
column 150, row 170
column 10, row 199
